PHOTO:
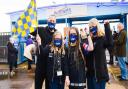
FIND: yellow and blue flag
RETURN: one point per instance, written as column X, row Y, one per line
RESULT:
column 27, row 22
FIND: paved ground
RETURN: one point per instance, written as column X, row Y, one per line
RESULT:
column 21, row 80
column 25, row 80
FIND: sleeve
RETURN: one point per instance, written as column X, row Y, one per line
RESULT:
column 84, row 47
column 66, row 65
column 34, row 33
column 108, row 35
column 120, row 39
column 16, row 51
column 44, row 50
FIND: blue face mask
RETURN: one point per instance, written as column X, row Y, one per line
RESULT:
column 93, row 30
column 57, row 42
column 51, row 25
column 73, row 38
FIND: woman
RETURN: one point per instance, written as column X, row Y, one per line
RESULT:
column 75, row 59
column 56, row 61
column 97, row 73
column 12, row 55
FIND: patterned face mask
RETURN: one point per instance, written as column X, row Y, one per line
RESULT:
column 73, row 38
column 58, row 42
column 93, row 30
column 51, row 25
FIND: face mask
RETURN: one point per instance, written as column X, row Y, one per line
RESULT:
column 57, row 42
column 73, row 38
column 51, row 25
column 93, row 30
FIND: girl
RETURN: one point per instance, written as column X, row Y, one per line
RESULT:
column 76, row 64
column 56, row 61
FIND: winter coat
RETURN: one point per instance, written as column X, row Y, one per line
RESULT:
column 121, row 43
column 96, row 60
column 12, row 52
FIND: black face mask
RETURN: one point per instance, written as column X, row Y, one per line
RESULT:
column 93, row 30
column 58, row 42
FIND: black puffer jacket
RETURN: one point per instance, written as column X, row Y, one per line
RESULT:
column 96, row 60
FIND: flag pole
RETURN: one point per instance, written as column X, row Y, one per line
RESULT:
column 37, row 27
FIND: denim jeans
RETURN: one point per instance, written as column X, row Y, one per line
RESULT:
column 123, row 67
column 55, row 84
column 92, row 84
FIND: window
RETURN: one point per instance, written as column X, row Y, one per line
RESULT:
column 60, row 27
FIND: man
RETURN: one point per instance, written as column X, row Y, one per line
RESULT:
column 121, row 51
column 45, row 34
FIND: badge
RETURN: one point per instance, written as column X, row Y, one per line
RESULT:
column 50, row 55
column 59, row 73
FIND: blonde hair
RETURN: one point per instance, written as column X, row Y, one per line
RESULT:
column 54, row 48
column 94, row 22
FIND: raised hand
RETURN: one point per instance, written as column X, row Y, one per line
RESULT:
column 38, row 39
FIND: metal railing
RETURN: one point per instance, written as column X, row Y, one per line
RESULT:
column 3, row 54
column 4, row 38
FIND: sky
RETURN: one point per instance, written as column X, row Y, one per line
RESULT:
column 7, row 6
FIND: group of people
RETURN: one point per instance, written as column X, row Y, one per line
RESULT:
column 120, row 44
column 112, row 49
column 79, row 64
column 84, row 58
column 13, row 54
column 118, row 49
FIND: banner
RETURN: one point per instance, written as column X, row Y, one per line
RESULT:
column 26, row 22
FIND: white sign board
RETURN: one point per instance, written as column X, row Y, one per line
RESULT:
column 64, row 11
